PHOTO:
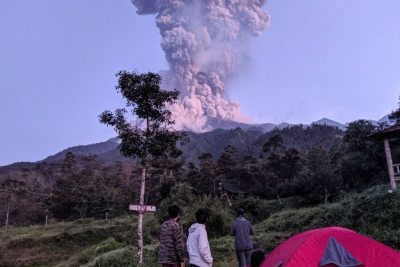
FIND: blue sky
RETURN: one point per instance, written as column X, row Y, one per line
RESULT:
column 335, row 59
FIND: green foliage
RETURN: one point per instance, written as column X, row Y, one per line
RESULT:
column 293, row 220
column 108, row 245
column 222, row 248
column 362, row 161
column 220, row 218
column 267, row 240
column 181, row 195
column 321, row 181
column 301, row 136
column 394, row 116
column 374, row 207
column 256, row 209
column 374, row 213
column 148, row 102
column 122, row 257
column 60, row 244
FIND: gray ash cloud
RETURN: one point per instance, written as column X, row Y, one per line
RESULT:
column 202, row 41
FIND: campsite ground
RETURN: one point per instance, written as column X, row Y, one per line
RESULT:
column 111, row 243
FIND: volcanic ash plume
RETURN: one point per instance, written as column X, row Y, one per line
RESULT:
column 202, row 40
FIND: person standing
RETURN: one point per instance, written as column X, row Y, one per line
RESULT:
column 197, row 242
column 172, row 246
column 257, row 257
column 241, row 229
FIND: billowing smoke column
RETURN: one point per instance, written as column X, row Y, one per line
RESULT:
column 202, row 40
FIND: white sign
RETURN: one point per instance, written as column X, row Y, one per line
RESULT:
column 142, row 208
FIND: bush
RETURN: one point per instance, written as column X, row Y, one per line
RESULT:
column 181, row 195
column 108, row 245
column 374, row 213
column 293, row 220
column 123, row 257
column 256, row 209
column 220, row 218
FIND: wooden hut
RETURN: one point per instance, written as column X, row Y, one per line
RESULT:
column 227, row 189
column 390, row 134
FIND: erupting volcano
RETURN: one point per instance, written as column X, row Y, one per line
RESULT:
column 203, row 41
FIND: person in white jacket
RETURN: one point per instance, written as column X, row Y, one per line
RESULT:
column 197, row 242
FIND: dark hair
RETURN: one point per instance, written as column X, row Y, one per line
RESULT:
column 240, row 211
column 173, row 211
column 202, row 215
column 257, row 256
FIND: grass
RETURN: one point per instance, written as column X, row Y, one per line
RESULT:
column 373, row 213
column 66, row 243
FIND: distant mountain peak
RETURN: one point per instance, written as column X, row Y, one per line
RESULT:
column 327, row 121
column 215, row 123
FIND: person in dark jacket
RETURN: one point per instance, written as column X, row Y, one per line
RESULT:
column 241, row 229
column 172, row 245
column 257, row 257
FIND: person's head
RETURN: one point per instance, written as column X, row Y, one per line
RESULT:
column 202, row 215
column 174, row 211
column 256, row 258
column 240, row 212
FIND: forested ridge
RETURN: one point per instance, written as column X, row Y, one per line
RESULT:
column 316, row 163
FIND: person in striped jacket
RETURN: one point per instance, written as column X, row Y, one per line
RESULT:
column 172, row 244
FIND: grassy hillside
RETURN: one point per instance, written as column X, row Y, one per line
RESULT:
column 374, row 213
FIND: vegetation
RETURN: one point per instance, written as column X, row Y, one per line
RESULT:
column 373, row 212
column 295, row 179
column 80, row 187
column 156, row 137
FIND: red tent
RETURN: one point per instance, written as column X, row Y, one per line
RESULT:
column 331, row 247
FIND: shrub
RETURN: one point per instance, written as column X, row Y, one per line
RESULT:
column 374, row 213
column 181, row 195
column 256, row 209
column 123, row 257
column 220, row 218
column 108, row 245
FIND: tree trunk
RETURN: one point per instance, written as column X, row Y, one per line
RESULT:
column 140, row 221
column 326, row 196
column 8, row 212
column 279, row 199
column 46, row 219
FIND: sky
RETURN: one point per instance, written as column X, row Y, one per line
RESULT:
column 58, row 59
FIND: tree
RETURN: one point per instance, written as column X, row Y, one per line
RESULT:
column 394, row 116
column 202, row 179
column 227, row 163
column 274, row 144
column 321, row 181
column 363, row 160
column 10, row 189
column 148, row 102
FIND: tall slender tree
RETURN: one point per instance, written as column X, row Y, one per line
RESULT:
column 154, row 136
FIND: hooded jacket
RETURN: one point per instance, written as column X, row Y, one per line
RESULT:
column 198, row 246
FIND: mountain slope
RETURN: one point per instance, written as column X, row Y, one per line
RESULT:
column 241, row 135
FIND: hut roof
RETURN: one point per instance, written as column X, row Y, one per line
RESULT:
column 390, row 132
column 231, row 186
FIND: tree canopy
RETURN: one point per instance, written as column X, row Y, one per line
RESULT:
column 148, row 103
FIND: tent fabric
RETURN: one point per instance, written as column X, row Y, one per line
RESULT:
column 336, row 254
column 308, row 249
